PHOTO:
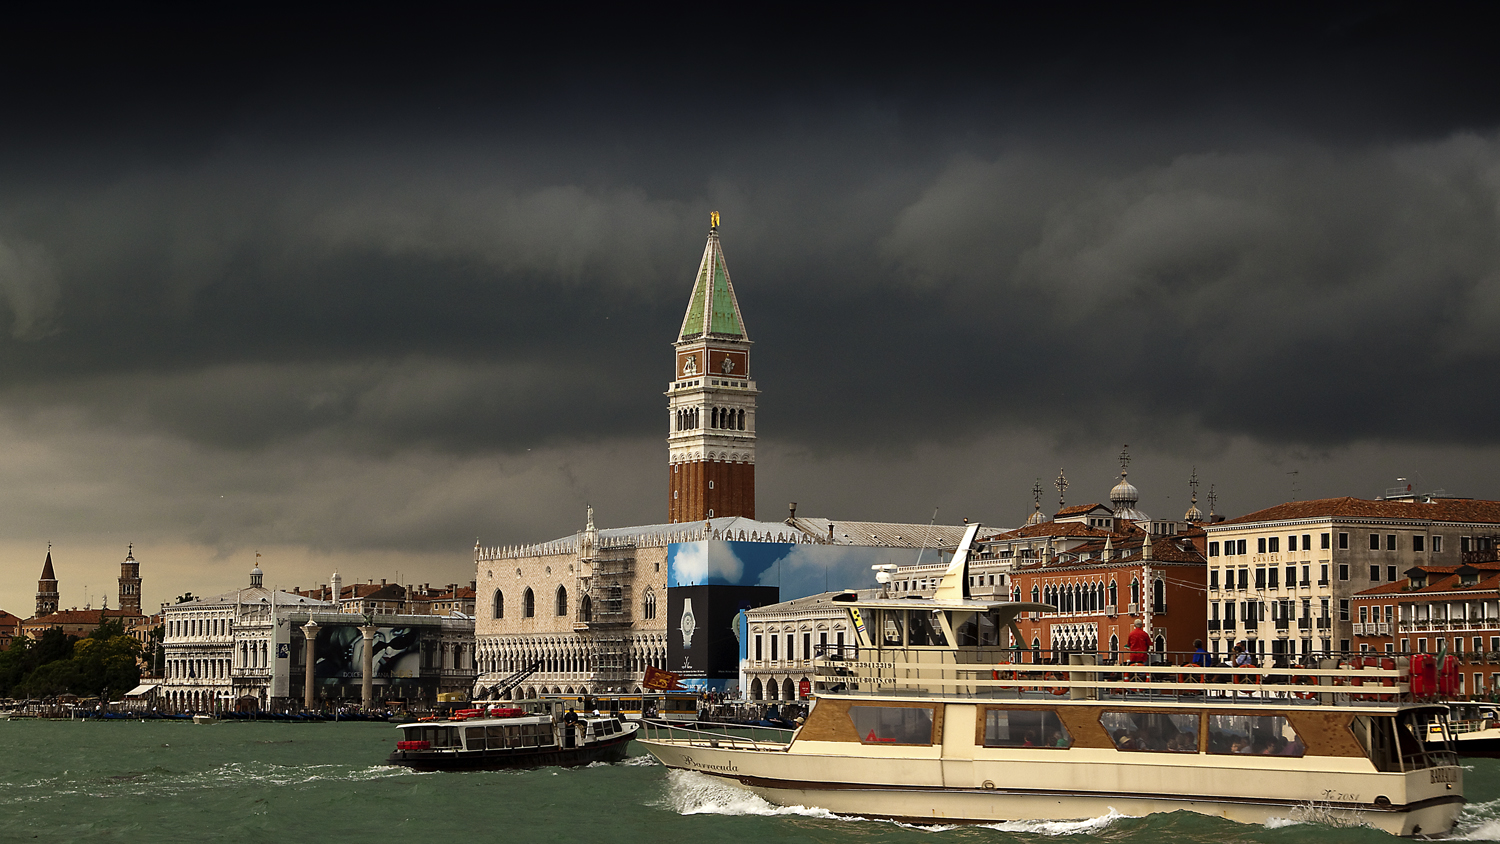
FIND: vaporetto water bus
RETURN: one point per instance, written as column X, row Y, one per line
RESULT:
column 497, row 737
column 929, row 720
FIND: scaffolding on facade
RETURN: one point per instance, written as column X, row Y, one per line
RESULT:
column 608, row 616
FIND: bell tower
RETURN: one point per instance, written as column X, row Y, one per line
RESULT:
column 46, row 588
column 711, row 401
column 130, row 583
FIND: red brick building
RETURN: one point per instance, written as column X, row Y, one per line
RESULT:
column 1105, row 568
column 1439, row 608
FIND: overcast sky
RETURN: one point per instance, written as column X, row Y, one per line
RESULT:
column 353, row 292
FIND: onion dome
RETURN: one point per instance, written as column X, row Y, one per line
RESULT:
column 1193, row 515
column 1124, row 495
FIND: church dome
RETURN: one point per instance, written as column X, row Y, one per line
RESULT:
column 1124, row 494
column 1036, row 518
column 1193, row 515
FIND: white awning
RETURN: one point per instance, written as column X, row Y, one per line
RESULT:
column 142, row 689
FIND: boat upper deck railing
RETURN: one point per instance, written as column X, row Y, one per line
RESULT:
column 1379, row 680
column 734, row 736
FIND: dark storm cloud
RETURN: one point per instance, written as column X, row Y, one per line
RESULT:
column 331, row 243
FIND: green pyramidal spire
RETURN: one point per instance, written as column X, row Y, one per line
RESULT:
column 713, row 310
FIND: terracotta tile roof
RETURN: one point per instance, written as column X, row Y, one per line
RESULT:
column 1075, row 510
column 1447, row 582
column 1438, row 510
column 1065, row 529
column 78, row 617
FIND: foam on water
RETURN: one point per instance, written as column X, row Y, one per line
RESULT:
column 1479, row 822
column 692, row 793
column 1087, row 825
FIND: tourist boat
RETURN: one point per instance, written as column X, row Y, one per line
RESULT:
column 1474, row 728
column 507, row 737
column 931, row 721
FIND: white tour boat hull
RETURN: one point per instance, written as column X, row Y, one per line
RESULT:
column 938, row 791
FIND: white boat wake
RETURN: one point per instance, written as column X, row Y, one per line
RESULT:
column 692, row 793
column 1060, row 827
column 1479, row 822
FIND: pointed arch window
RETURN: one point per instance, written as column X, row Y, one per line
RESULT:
column 1158, row 595
column 499, row 604
column 586, row 609
column 648, row 605
column 1114, row 594
column 528, row 603
column 1035, row 595
column 1135, row 591
column 562, row 600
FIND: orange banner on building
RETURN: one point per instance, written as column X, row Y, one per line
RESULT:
column 661, row 680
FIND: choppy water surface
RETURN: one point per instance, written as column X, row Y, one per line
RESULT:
column 167, row 782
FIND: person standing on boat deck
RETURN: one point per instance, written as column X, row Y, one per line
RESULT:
column 1140, row 644
column 1200, row 654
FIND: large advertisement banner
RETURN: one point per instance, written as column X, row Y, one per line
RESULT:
column 340, row 652
column 702, row 637
column 799, row 569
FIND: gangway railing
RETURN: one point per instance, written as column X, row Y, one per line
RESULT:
column 990, row 674
column 738, row 737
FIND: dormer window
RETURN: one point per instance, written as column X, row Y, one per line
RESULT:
column 1468, row 576
column 1419, row 580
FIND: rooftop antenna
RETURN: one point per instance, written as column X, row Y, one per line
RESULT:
column 928, row 538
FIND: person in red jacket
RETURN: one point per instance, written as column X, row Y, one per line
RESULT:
column 1140, row 644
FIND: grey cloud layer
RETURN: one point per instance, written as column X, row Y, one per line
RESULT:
column 237, row 303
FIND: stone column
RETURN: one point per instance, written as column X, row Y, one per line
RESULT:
column 368, row 683
column 309, row 692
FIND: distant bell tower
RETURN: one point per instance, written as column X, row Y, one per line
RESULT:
column 711, row 401
column 130, row 583
column 46, row 588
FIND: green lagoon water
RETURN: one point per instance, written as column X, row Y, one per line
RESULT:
column 174, row 782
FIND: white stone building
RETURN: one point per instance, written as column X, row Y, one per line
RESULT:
column 224, row 647
column 1282, row 579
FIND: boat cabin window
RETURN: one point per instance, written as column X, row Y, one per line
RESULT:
column 1253, row 735
column 890, row 627
column 1411, row 729
column 1024, row 728
column 1157, row 732
column 434, row 736
column 923, row 630
column 977, row 629
column 892, row 724
column 483, row 738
